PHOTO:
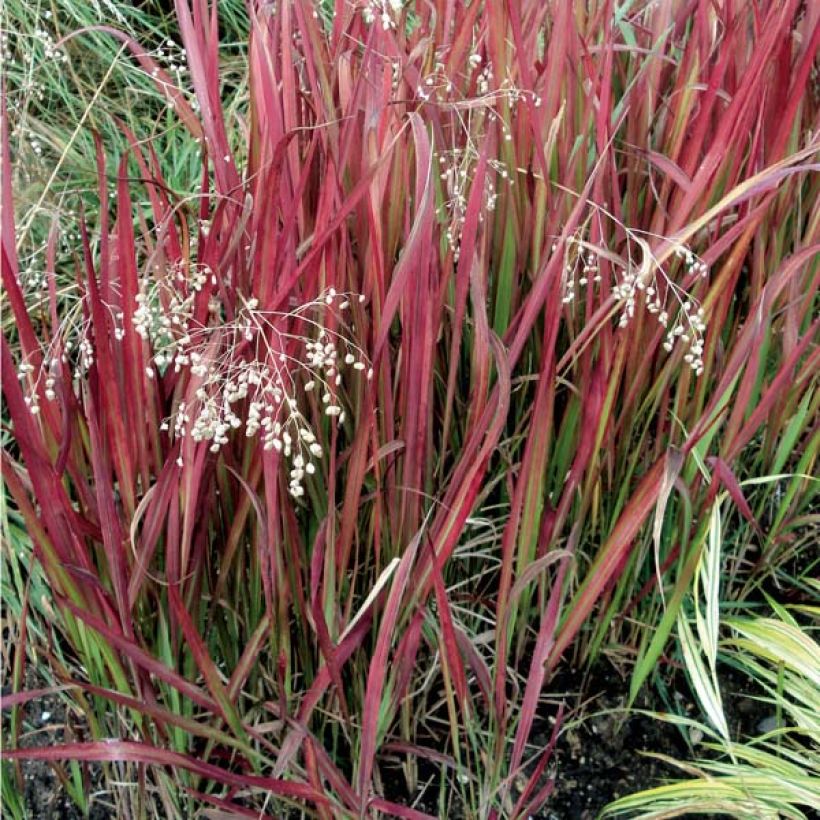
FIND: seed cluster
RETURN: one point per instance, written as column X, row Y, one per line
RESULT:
column 385, row 11
column 252, row 373
column 647, row 282
column 470, row 119
column 70, row 351
column 458, row 169
column 27, row 56
column 164, row 312
column 174, row 59
column 50, row 48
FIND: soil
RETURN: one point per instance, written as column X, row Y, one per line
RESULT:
column 45, row 723
column 602, row 759
column 600, row 751
column 598, row 757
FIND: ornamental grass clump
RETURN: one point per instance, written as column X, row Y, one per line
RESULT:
column 384, row 361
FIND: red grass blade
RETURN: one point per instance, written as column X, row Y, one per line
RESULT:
column 132, row 752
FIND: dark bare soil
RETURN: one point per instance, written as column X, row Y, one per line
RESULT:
column 599, row 755
column 598, row 758
column 602, row 760
column 45, row 723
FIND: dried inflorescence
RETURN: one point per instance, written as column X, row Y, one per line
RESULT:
column 165, row 309
column 253, row 372
column 646, row 281
column 470, row 118
column 174, row 58
column 386, row 12
column 458, row 168
column 69, row 351
column 258, row 364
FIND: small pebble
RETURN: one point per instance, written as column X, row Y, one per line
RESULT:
column 768, row 724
